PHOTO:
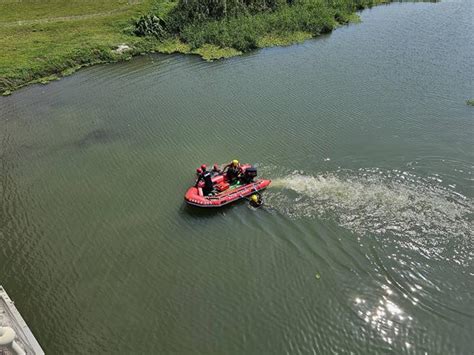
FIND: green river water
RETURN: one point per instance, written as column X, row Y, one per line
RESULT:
column 365, row 244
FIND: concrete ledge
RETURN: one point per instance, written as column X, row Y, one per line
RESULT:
column 10, row 317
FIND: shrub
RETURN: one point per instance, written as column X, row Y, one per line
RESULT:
column 240, row 23
column 239, row 33
column 150, row 25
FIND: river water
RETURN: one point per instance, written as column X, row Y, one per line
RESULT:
column 365, row 244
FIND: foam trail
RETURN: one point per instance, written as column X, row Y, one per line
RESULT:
column 377, row 202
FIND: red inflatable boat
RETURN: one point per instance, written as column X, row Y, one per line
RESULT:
column 224, row 193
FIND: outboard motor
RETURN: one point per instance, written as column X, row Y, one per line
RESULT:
column 249, row 174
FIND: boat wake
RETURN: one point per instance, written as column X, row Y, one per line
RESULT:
column 375, row 201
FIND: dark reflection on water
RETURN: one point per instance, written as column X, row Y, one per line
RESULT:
column 365, row 242
column 97, row 136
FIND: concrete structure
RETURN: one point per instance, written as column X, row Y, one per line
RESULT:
column 15, row 336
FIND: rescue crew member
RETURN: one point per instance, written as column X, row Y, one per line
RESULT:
column 256, row 200
column 208, row 184
column 233, row 171
column 216, row 170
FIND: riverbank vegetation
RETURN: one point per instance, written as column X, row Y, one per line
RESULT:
column 43, row 40
column 245, row 25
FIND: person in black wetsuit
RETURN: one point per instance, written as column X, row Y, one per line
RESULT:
column 256, row 200
column 233, row 171
column 206, row 176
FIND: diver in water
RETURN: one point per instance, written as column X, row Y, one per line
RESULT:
column 256, row 200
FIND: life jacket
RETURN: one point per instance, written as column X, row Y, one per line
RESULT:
column 233, row 171
column 207, row 177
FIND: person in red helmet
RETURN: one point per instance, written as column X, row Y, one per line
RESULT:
column 198, row 175
column 207, row 177
column 216, row 170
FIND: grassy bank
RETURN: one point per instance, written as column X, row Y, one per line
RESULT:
column 44, row 40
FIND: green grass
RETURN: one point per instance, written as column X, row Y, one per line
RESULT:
column 271, row 40
column 42, row 40
column 470, row 102
column 14, row 10
column 211, row 52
